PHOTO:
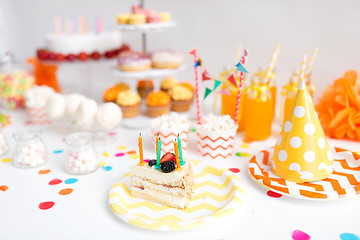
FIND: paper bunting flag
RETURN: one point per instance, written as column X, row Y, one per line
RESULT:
column 193, row 52
column 302, row 153
column 224, row 92
column 245, row 53
column 206, row 75
column 197, row 64
column 217, row 84
column 232, row 80
column 207, row 92
column 241, row 68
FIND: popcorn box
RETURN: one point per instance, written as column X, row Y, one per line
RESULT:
column 168, row 137
column 216, row 144
column 38, row 115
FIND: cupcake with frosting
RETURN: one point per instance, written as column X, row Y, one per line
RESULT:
column 182, row 96
column 158, row 103
column 167, row 83
column 111, row 93
column 129, row 103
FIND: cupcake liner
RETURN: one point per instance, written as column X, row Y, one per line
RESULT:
column 38, row 115
column 156, row 111
column 216, row 145
column 130, row 111
column 168, row 136
column 181, row 105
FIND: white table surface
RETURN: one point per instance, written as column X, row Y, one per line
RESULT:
column 85, row 214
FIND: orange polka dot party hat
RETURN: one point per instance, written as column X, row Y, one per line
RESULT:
column 302, row 153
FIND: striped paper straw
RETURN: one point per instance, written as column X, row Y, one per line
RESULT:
column 272, row 62
column 312, row 60
column 243, row 59
column 196, row 58
column 302, row 71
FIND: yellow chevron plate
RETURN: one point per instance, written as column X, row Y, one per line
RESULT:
column 343, row 183
column 217, row 193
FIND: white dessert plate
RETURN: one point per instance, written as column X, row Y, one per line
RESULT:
column 217, row 193
column 146, row 27
column 343, row 183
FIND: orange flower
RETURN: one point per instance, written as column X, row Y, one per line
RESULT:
column 339, row 108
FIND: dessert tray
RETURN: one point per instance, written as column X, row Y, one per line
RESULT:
column 151, row 73
column 343, row 183
column 146, row 26
column 217, row 193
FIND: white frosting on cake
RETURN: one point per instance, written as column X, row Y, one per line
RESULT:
column 88, row 43
column 157, row 175
column 56, row 105
column 108, row 115
column 215, row 123
column 72, row 103
column 37, row 96
column 171, row 121
column 86, row 112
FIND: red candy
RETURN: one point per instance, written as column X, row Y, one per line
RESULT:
column 82, row 56
column 95, row 55
column 70, row 57
column 60, row 57
column 46, row 205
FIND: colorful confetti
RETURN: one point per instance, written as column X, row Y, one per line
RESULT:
column 131, row 152
column 46, row 171
column 193, row 130
column 300, row 235
column 146, row 160
column 5, row 160
column 273, row 194
column 112, row 133
column 107, row 168
column 119, row 154
column 349, row 236
column 46, row 205
column 55, row 181
column 70, row 181
column 243, row 154
column 101, row 164
column 66, row 191
column 105, row 154
column 4, row 188
column 121, row 147
column 58, row 151
column 134, row 156
column 245, row 145
column 234, row 170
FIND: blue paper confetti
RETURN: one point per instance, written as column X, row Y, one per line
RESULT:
column 349, row 236
column 58, row 151
column 107, row 168
column 70, row 180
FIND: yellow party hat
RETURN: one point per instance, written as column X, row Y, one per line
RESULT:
column 302, row 153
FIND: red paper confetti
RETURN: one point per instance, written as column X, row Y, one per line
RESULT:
column 300, row 235
column 112, row 133
column 46, row 171
column 234, row 170
column 4, row 188
column 119, row 154
column 273, row 194
column 131, row 152
column 66, row 191
column 46, row 205
column 55, row 181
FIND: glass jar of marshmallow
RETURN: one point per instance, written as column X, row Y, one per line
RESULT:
column 4, row 145
column 81, row 157
column 30, row 150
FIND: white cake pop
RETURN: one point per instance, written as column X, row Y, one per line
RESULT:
column 108, row 115
column 72, row 103
column 55, row 107
column 86, row 112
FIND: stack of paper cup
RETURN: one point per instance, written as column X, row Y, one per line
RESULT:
column 167, row 127
column 216, row 137
column 36, row 100
column 38, row 115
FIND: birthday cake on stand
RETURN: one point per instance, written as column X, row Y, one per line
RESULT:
column 80, row 44
column 167, row 180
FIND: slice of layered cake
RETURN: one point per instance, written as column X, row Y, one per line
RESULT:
column 165, row 182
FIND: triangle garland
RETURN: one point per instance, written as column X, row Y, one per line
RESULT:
column 232, row 80
column 206, row 75
column 240, row 68
column 207, row 92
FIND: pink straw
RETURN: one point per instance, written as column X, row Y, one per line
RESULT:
column 239, row 93
column 197, row 88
